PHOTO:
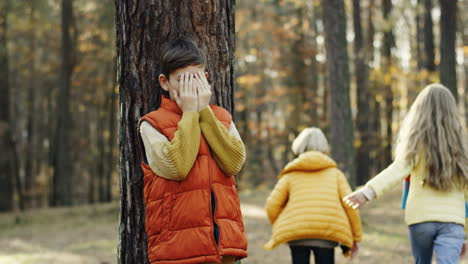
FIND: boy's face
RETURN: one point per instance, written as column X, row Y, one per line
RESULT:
column 172, row 83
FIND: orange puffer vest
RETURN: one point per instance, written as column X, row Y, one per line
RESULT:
column 180, row 222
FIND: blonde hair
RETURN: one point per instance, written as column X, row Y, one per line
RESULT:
column 310, row 139
column 433, row 124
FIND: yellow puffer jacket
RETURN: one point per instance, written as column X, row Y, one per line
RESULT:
column 306, row 203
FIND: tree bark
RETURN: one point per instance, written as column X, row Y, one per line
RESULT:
column 448, row 31
column 341, row 125
column 142, row 27
column 62, row 183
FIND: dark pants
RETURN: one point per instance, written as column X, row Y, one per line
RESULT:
column 301, row 255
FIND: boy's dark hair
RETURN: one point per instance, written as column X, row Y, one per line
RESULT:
column 180, row 53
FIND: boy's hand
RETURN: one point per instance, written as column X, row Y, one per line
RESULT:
column 187, row 97
column 204, row 90
column 355, row 199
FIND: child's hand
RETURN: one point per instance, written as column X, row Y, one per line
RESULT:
column 354, row 249
column 355, row 199
column 204, row 90
column 187, row 97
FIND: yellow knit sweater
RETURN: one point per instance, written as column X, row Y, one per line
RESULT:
column 306, row 203
column 174, row 159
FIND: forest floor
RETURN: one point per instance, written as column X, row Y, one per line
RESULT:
column 88, row 234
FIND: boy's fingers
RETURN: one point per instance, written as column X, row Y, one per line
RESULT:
column 204, row 78
column 187, row 83
column 182, row 83
column 194, row 85
column 196, row 81
column 199, row 81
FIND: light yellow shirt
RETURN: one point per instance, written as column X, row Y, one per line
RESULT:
column 424, row 203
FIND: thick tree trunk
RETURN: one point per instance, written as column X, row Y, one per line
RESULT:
column 62, row 189
column 448, row 30
column 363, row 96
column 142, row 27
column 341, row 129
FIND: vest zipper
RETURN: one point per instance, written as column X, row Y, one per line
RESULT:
column 213, row 210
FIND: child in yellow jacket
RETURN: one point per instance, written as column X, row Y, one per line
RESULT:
column 306, row 208
column 432, row 148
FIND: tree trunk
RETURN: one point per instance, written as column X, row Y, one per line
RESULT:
column 142, row 27
column 363, row 97
column 30, row 146
column 419, row 35
column 341, row 125
column 112, row 135
column 448, row 30
column 8, row 168
column 62, row 183
column 429, row 49
column 101, row 168
column 374, row 106
column 388, row 43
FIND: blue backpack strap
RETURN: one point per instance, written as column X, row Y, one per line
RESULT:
column 404, row 196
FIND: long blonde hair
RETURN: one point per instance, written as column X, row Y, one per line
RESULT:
column 433, row 124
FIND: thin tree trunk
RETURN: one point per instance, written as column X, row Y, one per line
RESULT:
column 62, row 183
column 341, row 129
column 94, row 129
column 101, row 151
column 419, row 34
column 8, row 164
column 30, row 146
column 388, row 43
column 448, row 31
column 362, row 119
column 112, row 135
column 429, row 48
column 375, row 124
column 142, row 27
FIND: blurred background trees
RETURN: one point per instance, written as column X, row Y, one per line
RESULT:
column 59, row 105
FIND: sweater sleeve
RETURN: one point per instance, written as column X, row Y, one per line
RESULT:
column 277, row 199
column 226, row 145
column 390, row 177
column 353, row 214
column 173, row 159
